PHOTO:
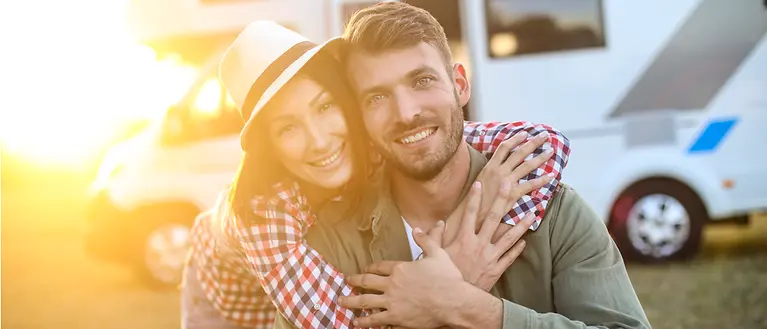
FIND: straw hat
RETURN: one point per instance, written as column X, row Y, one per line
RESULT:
column 263, row 58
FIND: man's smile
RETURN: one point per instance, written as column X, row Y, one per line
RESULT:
column 416, row 136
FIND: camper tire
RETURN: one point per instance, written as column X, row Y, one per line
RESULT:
column 155, row 267
column 658, row 220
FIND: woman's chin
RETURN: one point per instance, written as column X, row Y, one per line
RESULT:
column 334, row 180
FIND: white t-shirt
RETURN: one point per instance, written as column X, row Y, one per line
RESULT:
column 415, row 250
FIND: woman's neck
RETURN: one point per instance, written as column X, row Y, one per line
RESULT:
column 317, row 195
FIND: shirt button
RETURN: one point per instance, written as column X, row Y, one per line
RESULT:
column 316, row 307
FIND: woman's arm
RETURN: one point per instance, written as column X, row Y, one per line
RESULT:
column 303, row 287
column 485, row 137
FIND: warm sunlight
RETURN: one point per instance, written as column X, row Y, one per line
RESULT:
column 80, row 79
column 209, row 97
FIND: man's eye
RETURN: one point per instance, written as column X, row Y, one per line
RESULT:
column 424, row 81
column 375, row 99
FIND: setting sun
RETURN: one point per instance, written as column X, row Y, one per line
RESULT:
column 79, row 79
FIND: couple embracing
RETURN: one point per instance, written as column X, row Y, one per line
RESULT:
column 365, row 200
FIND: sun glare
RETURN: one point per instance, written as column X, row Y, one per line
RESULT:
column 209, row 98
column 78, row 79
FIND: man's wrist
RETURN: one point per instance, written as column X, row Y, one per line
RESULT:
column 471, row 307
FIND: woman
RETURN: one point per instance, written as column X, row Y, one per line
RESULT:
column 248, row 253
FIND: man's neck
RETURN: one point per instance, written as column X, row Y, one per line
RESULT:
column 423, row 203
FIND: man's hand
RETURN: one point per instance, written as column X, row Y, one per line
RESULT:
column 416, row 294
column 480, row 260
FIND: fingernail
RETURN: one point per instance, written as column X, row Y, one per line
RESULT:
column 549, row 150
column 543, row 135
column 476, row 185
column 417, row 230
column 440, row 223
column 523, row 134
column 550, row 175
column 355, row 323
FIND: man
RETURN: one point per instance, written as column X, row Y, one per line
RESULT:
column 570, row 274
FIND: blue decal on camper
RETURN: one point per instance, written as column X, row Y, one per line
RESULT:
column 712, row 135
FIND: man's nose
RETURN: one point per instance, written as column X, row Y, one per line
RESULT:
column 406, row 107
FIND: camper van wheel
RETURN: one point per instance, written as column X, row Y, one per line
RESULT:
column 658, row 220
column 164, row 247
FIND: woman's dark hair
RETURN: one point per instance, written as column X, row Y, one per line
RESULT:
column 260, row 169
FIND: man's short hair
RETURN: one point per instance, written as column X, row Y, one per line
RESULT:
column 395, row 25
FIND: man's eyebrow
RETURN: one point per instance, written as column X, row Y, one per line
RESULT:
column 421, row 71
column 414, row 73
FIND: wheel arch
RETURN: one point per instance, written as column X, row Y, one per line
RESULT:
column 660, row 179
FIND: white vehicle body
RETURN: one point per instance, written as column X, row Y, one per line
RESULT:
column 643, row 89
column 636, row 107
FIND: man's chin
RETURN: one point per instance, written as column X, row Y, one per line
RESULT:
column 422, row 169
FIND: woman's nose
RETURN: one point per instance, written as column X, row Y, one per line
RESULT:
column 319, row 139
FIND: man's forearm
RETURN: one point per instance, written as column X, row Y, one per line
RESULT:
column 474, row 308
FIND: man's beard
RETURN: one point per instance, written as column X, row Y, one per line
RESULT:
column 430, row 165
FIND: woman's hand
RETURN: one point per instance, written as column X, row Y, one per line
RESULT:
column 505, row 164
column 480, row 260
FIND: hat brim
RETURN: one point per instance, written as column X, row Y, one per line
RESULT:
column 280, row 82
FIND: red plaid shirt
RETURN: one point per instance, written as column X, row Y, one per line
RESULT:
column 270, row 264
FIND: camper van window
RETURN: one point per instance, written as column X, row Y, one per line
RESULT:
column 211, row 114
column 520, row 27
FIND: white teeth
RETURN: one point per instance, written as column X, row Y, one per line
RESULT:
column 416, row 137
column 329, row 160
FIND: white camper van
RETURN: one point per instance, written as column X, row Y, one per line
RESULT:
column 664, row 103
column 150, row 188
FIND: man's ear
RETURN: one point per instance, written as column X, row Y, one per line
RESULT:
column 462, row 85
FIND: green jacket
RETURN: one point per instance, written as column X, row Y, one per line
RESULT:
column 570, row 274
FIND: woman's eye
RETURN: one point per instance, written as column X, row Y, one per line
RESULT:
column 285, row 130
column 325, row 107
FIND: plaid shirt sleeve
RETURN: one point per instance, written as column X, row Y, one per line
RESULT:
column 303, row 287
column 485, row 137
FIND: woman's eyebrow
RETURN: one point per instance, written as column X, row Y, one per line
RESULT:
column 316, row 98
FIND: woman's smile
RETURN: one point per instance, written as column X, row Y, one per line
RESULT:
column 329, row 160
